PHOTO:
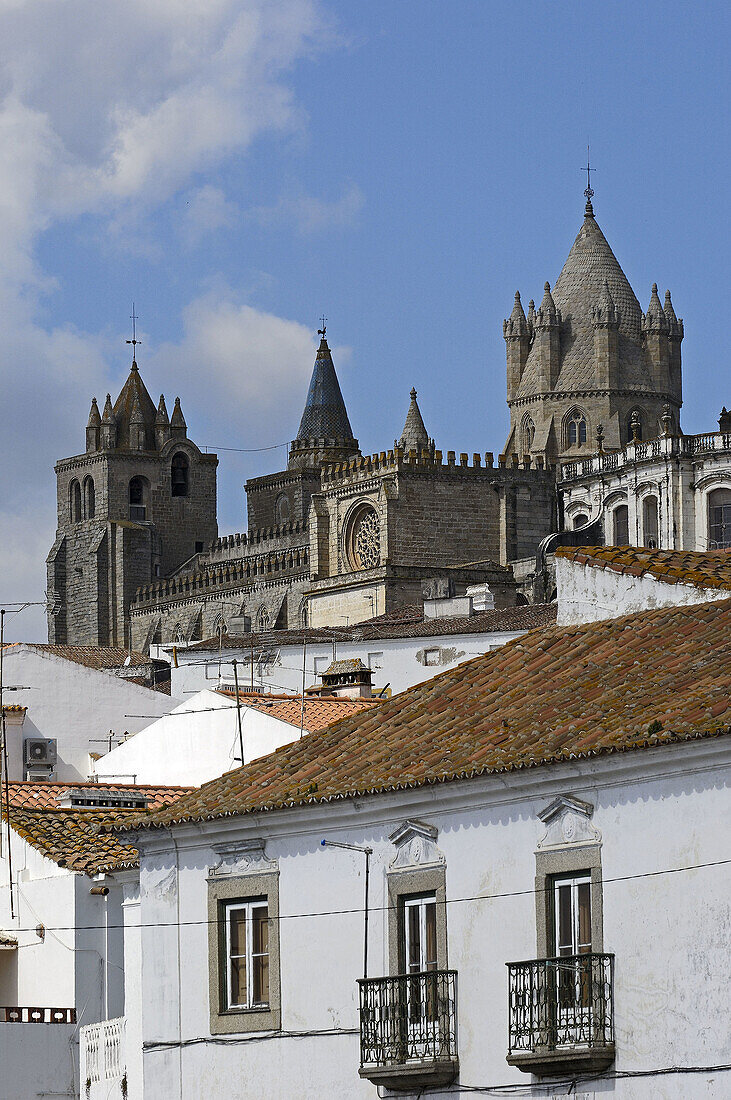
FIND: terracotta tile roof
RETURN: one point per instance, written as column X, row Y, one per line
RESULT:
column 383, row 628
column 703, row 569
column 43, row 796
column 70, row 837
column 555, row 694
column 112, row 657
column 320, row 710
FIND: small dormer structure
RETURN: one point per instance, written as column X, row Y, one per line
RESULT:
column 349, row 679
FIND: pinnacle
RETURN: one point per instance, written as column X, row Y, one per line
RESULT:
column 108, row 417
column 177, row 420
column 94, row 417
column 414, row 436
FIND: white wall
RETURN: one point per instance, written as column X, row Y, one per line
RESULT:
column 38, row 1060
column 74, row 704
column 587, row 593
column 398, row 662
column 656, row 810
column 196, row 742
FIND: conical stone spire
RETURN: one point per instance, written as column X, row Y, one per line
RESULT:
column 516, row 324
column 108, row 416
column 178, row 427
column 162, row 418
column 324, row 433
column 655, row 320
column 95, row 419
column 547, row 310
column 415, row 436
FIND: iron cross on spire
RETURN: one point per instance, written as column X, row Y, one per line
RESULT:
column 134, row 341
column 323, row 330
column 589, row 193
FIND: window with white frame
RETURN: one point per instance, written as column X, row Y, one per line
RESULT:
column 247, row 954
column 375, row 660
column 243, row 952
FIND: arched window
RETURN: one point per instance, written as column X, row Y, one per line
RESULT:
column 75, row 501
column 649, row 522
column 179, row 475
column 281, row 509
column 262, row 619
column 634, row 421
column 137, row 506
column 580, row 520
column 719, row 519
column 620, row 517
column 89, row 498
column 363, row 538
column 527, row 434
column 219, row 627
column 575, row 428
column 178, row 635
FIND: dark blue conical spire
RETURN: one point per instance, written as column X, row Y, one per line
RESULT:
column 325, row 416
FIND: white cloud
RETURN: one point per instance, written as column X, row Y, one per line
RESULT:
column 311, row 215
column 205, row 210
column 111, row 109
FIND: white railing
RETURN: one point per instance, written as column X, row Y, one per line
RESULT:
column 653, row 448
column 103, row 1050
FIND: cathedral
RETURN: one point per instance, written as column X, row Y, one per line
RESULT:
column 341, row 536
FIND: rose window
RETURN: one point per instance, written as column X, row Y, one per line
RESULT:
column 363, row 542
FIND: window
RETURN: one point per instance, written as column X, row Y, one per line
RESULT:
column 527, row 434
column 576, row 428
column 620, row 518
column 649, row 522
column 419, row 934
column 580, row 520
column 247, row 954
column 363, row 539
column 137, row 507
column 199, row 547
column 75, row 501
column 281, row 509
column 432, row 656
column 375, row 660
column 179, row 475
column 719, row 519
column 263, row 621
column 89, row 498
column 243, row 946
column 572, row 915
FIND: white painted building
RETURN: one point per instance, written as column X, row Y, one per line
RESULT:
column 62, row 950
column 547, row 828
column 200, row 739
column 670, row 493
column 401, row 649
column 81, row 708
column 598, row 582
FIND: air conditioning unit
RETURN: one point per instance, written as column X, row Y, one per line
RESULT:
column 40, row 750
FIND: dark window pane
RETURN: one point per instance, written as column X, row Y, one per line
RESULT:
column 260, row 979
column 237, row 931
column 238, row 980
column 582, row 431
column 414, row 934
column 431, row 936
column 584, row 900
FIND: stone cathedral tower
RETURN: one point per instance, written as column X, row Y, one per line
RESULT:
column 588, row 360
column 137, row 505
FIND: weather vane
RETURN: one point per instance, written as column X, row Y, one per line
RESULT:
column 134, row 341
column 323, row 330
column 589, row 193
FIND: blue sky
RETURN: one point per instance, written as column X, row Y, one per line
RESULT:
column 239, row 168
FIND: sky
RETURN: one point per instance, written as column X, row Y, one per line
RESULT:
column 238, row 168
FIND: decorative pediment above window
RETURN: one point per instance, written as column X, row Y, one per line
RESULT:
column 416, row 846
column 568, row 822
column 243, row 857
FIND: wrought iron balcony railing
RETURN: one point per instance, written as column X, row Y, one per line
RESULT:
column 408, row 1029
column 561, row 1013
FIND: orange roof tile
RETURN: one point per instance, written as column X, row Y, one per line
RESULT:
column 319, row 710
column 70, row 837
column 30, row 795
column 655, row 678
column 702, row 569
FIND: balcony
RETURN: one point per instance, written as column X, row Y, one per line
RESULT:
column 103, row 1058
column 408, row 1030
column 561, row 1014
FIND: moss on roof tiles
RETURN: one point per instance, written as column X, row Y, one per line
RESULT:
column 701, row 569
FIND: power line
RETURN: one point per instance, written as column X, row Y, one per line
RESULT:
column 389, row 908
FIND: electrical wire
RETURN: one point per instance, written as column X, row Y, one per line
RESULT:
column 356, row 910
